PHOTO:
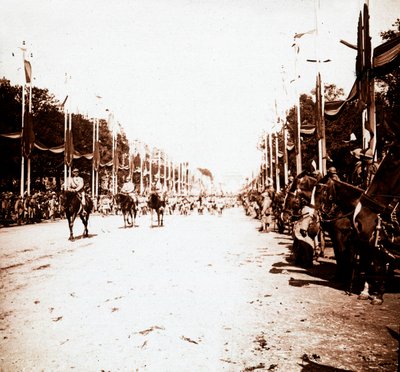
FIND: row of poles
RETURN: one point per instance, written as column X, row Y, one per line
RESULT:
column 368, row 116
column 182, row 185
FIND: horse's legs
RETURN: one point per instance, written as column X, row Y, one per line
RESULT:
column 85, row 219
column 71, row 226
column 134, row 216
column 130, row 218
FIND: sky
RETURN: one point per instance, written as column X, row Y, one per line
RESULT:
column 200, row 79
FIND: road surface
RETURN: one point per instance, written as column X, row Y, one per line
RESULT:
column 203, row 293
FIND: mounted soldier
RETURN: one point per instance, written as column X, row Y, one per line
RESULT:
column 77, row 184
column 364, row 169
column 128, row 188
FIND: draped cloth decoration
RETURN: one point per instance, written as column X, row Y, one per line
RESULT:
column 28, row 136
column 69, row 148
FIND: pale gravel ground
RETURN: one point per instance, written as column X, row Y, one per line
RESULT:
column 195, row 295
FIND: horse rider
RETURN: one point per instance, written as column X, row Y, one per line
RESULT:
column 128, row 188
column 156, row 188
column 76, row 184
column 364, row 169
column 332, row 174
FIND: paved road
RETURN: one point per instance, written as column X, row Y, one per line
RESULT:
column 203, row 293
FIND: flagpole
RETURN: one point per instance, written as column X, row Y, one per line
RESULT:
column 141, row 167
column 277, row 182
column 266, row 157
column 22, row 185
column 98, row 159
column 179, row 179
column 298, row 137
column 29, row 158
column 321, row 93
column 71, row 139
column 165, row 170
column 285, row 155
column 271, row 170
column 65, row 145
column 93, row 159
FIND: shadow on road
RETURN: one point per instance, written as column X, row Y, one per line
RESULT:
column 323, row 271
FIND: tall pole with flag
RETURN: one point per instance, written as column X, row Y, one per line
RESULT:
column 298, row 102
column 267, row 165
column 285, row 155
column 93, row 159
column 22, row 186
column 319, row 101
column 277, row 180
column 29, row 136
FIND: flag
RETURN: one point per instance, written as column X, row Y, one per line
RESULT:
column 28, row 71
column 96, row 156
column 318, row 108
column 296, row 129
column 363, row 59
column 28, row 135
column 116, row 160
column 69, row 148
column 64, row 102
column 333, row 108
column 301, row 34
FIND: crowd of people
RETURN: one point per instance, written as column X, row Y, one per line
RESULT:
column 47, row 205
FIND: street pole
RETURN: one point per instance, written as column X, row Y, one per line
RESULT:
column 285, row 155
column 22, row 185
column 278, row 184
column 298, row 137
column 93, row 159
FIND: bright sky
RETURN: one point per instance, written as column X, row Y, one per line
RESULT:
column 198, row 78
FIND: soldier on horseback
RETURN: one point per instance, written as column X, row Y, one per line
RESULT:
column 364, row 169
column 76, row 184
column 128, row 188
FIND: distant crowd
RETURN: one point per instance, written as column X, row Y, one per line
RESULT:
column 47, row 206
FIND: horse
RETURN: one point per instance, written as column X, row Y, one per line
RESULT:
column 376, row 220
column 128, row 207
column 300, row 215
column 73, row 207
column 157, row 204
column 297, row 196
column 334, row 202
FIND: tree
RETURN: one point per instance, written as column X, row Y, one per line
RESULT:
column 309, row 148
column 10, row 122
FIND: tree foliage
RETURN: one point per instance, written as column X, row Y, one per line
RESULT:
column 48, row 125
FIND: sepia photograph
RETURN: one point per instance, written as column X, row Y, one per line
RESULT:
column 199, row 185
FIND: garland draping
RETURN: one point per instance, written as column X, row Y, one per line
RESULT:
column 60, row 149
column 11, row 135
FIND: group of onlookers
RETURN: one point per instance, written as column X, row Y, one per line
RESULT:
column 27, row 209
column 47, row 206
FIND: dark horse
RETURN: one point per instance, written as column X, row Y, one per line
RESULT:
column 376, row 220
column 299, row 216
column 157, row 203
column 73, row 207
column 334, row 202
column 128, row 208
